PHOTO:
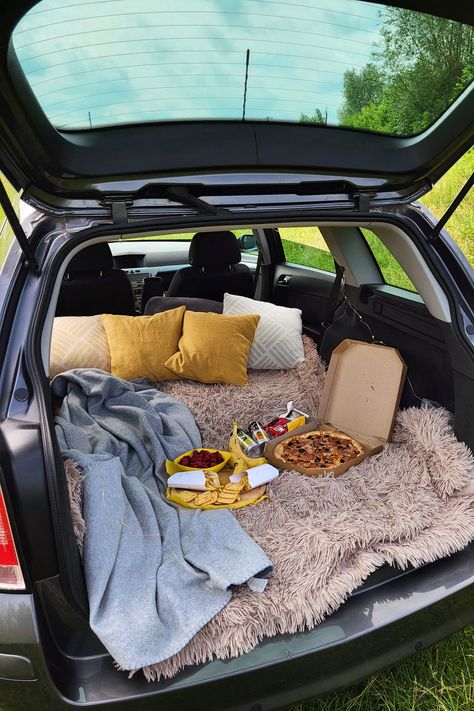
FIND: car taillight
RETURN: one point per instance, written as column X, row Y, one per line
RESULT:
column 11, row 577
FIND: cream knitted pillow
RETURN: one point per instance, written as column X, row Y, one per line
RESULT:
column 78, row 342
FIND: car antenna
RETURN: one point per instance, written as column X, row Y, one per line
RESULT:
column 247, row 60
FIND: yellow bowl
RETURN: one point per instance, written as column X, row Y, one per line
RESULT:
column 180, row 468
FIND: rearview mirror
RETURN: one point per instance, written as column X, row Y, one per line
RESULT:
column 247, row 242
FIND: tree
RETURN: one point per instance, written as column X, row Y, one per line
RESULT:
column 317, row 117
column 428, row 61
column 361, row 89
column 422, row 65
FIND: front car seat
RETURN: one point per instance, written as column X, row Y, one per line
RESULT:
column 215, row 269
column 92, row 286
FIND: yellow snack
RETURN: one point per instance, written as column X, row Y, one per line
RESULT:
column 184, row 495
column 229, row 493
column 227, row 499
column 206, row 498
column 212, row 480
column 244, row 483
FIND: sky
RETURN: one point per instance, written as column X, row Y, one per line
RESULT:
column 105, row 62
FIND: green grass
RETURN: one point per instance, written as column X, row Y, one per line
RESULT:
column 437, row 679
column 6, row 237
column 461, row 224
column 391, row 270
column 307, row 255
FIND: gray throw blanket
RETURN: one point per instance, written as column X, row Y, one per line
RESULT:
column 155, row 573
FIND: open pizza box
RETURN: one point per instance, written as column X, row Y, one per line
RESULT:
column 360, row 398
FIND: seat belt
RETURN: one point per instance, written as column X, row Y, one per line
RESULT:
column 257, row 269
column 333, row 297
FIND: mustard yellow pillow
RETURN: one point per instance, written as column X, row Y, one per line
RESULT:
column 78, row 342
column 139, row 345
column 214, row 348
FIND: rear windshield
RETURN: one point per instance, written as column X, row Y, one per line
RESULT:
column 336, row 62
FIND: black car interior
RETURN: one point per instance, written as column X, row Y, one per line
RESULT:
column 393, row 316
column 215, row 268
column 92, row 286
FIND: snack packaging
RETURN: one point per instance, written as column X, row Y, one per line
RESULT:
column 197, row 481
column 286, row 422
column 263, row 474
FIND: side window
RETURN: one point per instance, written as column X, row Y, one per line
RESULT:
column 6, row 233
column 7, row 239
column 306, row 246
column 461, row 223
column 392, row 272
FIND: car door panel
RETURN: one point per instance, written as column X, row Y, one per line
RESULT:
column 306, row 289
column 396, row 317
column 399, row 319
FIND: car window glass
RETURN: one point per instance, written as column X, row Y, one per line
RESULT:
column 6, row 234
column 306, row 246
column 246, row 239
column 7, row 239
column 461, row 224
column 391, row 270
column 350, row 63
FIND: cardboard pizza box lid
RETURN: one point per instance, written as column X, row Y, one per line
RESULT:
column 362, row 391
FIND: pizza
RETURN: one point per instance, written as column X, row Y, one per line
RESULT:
column 324, row 449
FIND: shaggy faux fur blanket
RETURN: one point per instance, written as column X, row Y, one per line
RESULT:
column 411, row 504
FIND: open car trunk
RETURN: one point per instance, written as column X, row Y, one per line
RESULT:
column 435, row 361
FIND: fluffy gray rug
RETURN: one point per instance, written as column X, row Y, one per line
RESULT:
column 214, row 406
column 411, row 504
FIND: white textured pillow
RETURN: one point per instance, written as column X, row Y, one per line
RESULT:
column 278, row 343
column 78, row 342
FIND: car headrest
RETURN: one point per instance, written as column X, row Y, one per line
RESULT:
column 96, row 258
column 211, row 249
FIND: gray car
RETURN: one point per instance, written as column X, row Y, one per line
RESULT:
column 134, row 126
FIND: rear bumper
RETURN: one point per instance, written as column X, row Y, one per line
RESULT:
column 374, row 629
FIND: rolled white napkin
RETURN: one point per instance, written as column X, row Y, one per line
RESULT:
column 196, row 480
column 262, row 474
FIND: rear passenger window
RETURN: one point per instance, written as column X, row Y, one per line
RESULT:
column 6, row 233
column 392, row 272
column 7, row 239
column 461, row 223
column 306, row 246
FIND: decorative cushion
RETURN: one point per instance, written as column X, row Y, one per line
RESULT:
column 78, row 342
column 278, row 340
column 157, row 304
column 214, row 348
column 139, row 345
